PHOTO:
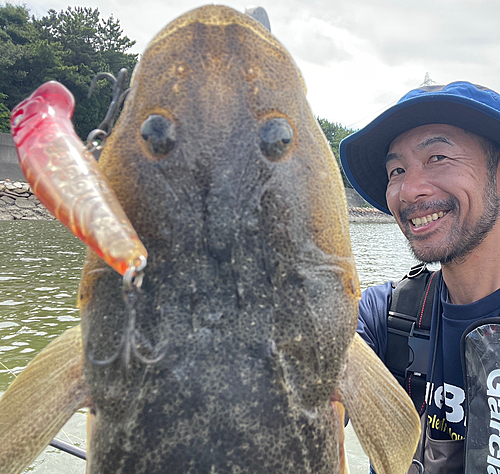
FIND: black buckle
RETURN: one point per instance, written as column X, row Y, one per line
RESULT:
column 418, row 342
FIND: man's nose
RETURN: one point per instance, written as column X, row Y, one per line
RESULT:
column 415, row 186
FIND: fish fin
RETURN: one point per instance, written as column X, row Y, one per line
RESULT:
column 40, row 401
column 382, row 414
column 91, row 426
column 339, row 414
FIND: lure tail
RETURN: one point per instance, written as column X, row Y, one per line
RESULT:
column 66, row 178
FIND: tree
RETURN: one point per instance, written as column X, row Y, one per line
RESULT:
column 71, row 47
column 335, row 133
column 91, row 45
column 19, row 67
column 4, row 115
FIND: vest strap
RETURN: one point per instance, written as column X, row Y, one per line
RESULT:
column 408, row 331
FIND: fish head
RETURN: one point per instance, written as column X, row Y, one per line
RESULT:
column 217, row 100
column 234, row 191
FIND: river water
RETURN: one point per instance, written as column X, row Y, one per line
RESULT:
column 40, row 266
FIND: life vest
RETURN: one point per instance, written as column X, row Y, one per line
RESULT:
column 407, row 357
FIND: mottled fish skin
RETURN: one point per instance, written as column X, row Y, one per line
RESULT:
column 250, row 292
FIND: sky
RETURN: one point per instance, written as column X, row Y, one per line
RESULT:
column 358, row 57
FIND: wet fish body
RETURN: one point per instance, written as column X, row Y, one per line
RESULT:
column 243, row 340
column 232, row 254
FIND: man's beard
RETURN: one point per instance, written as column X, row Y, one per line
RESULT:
column 463, row 239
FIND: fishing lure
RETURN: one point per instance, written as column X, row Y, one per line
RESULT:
column 67, row 180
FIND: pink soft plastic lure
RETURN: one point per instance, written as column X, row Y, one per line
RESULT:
column 66, row 178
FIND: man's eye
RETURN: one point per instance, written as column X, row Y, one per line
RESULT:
column 395, row 172
column 435, row 158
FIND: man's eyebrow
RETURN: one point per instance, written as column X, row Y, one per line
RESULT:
column 422, row 145
column 432, row 140
column 391, row 156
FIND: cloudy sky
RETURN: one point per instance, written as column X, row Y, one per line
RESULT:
column 358, row 57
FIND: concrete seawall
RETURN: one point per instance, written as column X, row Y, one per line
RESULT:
column 9, row 166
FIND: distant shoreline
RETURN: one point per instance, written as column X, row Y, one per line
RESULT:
column 369, row 215
column 17, row 202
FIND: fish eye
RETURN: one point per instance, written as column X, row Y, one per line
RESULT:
column 158, row 132
column 276, row 137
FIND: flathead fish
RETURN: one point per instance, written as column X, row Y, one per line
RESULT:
column 238, row 354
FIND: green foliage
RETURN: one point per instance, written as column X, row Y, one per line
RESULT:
column 71, row 47
column 335, row 133
column 4, row 115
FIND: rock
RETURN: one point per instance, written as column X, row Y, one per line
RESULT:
column 25, row 203
column 29, row 216
column 43, row 214
column 16, row 213
column 17, row 201
column 8, row 200
column 11, row 194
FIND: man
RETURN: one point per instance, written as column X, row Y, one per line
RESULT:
column 432, row 162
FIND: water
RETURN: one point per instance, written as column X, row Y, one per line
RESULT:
column 40, row 266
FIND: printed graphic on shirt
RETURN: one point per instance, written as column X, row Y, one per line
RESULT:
column 446, row 411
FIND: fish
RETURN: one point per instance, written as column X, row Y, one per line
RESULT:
column 237, row 352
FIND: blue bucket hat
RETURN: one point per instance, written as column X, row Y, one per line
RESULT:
column 462, row 104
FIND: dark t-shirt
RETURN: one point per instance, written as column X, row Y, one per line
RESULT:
column 446, row 410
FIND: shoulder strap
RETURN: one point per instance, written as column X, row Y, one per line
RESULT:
column 408, row 330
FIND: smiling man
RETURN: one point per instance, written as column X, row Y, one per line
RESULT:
column 432, row 162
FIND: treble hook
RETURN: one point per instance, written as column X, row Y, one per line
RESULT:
column 106, row 126
column 132, row 281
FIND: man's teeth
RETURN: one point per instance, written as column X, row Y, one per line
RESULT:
column 420, row 221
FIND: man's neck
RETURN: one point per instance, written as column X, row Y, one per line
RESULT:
column 478, row 275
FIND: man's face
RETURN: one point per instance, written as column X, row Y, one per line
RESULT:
column 440, row 192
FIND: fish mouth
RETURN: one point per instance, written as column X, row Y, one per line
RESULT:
column 422, row 221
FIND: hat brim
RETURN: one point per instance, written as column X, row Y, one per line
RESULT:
column 363, row 153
